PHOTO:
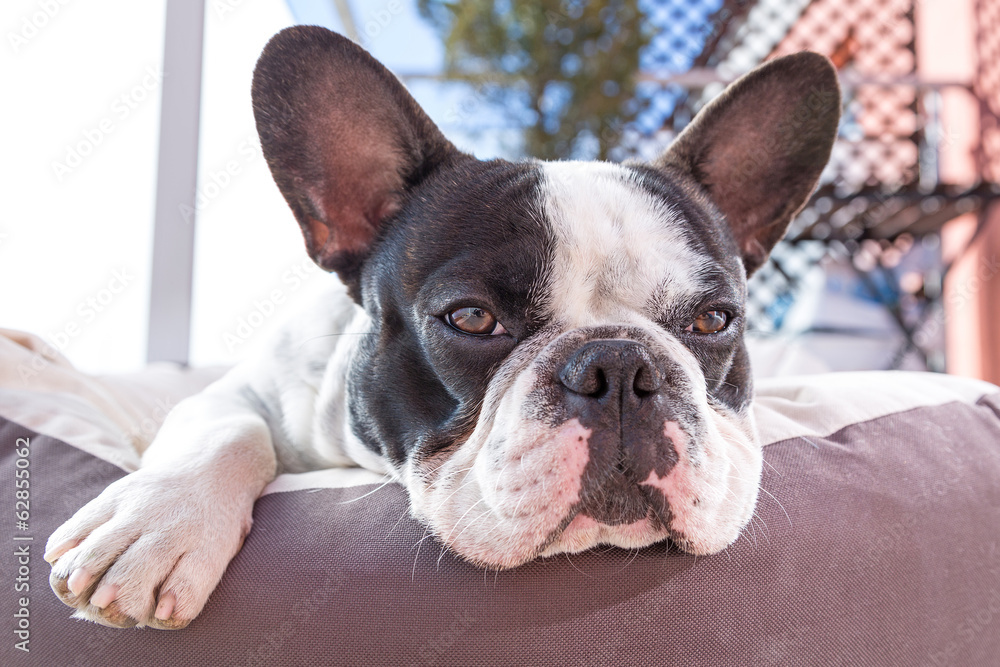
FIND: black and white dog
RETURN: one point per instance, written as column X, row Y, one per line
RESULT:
column 553, row 354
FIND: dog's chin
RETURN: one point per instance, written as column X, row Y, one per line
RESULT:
column 583, row 532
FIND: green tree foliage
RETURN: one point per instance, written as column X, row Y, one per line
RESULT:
column 564, row 69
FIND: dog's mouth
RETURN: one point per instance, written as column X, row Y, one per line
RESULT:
column 581, row 530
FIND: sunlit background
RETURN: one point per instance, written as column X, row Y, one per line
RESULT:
column 65, row 234
column 878, row 272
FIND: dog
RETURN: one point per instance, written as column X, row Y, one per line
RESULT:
column 548, row 355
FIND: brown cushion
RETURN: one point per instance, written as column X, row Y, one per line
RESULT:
column 874, row 543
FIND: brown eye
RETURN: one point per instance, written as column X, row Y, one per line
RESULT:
column 709, row 322
column 475, row 321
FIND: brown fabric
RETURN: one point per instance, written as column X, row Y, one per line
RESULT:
column 877, row 545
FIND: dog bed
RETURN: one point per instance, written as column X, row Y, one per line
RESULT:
column 876, row 541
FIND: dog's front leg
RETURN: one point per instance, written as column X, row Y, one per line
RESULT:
column 151, row 548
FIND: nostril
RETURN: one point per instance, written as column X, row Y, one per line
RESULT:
column 584, row 379
column 601, row 385
column 648, row 379
column 638, row 390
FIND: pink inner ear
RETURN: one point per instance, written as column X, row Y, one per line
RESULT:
column 360, row 189
column 318, row 233
column 349, row 227
column 351, row 232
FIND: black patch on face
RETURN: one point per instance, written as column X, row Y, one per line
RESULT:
column 471, row 235
column 723, row 356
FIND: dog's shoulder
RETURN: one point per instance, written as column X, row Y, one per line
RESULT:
column 301, row 368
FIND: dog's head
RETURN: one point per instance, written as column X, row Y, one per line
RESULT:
column 557, row 357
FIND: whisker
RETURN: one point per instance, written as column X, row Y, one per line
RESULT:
column 499, row 476
column 396, row 525
column 472, row 523
column 763, row 525
column 746, row 446
column 427, row 536
column 755, row 520
column 448, row 539
column 570, row 561
column 331, row 335
column 752, row 532
column 768, row 464
column 444, row 549
column 779, row 505
column 459, row 488
column 381, row 486
column 449, row 476
column 491, row 530
column 734, row 386
column 513, row 515
column 631, row 559
column 413, row 572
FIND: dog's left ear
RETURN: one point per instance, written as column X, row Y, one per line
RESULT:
column 345, row 142
column 759, row 148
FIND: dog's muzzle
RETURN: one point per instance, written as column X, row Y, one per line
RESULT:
column 624, row 395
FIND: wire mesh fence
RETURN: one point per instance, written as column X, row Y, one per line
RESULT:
column 882, row 202
column 876, row 219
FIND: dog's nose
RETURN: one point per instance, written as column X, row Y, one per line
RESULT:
column 611, row 368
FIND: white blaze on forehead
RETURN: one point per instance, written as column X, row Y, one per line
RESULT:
column 618, row 249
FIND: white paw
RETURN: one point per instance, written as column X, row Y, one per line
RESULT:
column 149, row 550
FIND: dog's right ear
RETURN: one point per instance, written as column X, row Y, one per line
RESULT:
column 344, row 141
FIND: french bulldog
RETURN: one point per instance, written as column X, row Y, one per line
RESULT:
column 548, row 356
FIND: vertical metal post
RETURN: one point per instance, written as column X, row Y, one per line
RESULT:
column 169, row 333
column 929, row 167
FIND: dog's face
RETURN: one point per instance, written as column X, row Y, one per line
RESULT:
column 556, row 356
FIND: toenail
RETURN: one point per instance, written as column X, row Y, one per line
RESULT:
column 79, row 581
column 165, row 609
column 104, row 595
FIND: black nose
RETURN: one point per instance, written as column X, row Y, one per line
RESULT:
column 616, row 368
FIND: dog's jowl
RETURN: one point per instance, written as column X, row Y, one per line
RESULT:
column 549, row 355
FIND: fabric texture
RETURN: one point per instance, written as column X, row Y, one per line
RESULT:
column 876, row 541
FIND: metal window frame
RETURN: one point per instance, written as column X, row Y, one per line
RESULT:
column 171, row 286
column 169, row 334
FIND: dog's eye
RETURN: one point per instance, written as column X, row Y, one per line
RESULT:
column 709, row 322
column 475, row 321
